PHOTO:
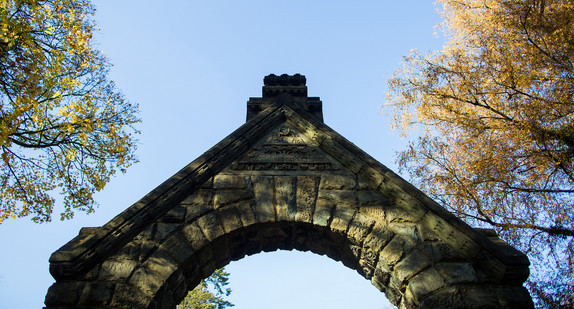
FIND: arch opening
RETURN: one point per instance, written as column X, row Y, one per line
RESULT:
column 295, row 279
column 260, row 238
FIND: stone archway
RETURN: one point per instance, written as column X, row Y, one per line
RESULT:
column 284, row 180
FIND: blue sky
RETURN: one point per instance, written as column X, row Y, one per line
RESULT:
column 192, row 65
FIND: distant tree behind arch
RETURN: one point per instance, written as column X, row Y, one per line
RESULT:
column 210, row 293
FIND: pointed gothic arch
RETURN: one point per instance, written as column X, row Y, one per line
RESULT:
column 285, row 180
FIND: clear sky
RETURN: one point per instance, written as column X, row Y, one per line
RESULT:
column 192, row 65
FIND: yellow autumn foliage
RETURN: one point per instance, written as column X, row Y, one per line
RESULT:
column 494, row 110
column 63, row 125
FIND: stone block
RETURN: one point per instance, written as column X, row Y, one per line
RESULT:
column 195, row 211
column 372, row 198
column 447, row 251
column 393, row 252
column 203, row 197
column 177, row 285
column 286, row 198
column 231, row 182
column 64, row 293
column 457, row 272
column 366, row 184
column 372, row 175
column 210, row 226
column 147, row 232
column 426, row 234
column 448, row 297
column 372, row 245
column 347, row 198
column 480, row 297
column 338, row 182
column 194, row 235
column 138, row 250
column 380, row 279
column 178, row 248
column 228, row 197
column 413, row 263
column 450, row 235
column 146, row 281
column 229, row 218
column 359, row 228
column 207, row 184
column 164, row 230
column 175, row 215
column 342, row 216
column 344, row 156
column 397, row 285
column 93, row 273
column 394, row 296
column 161, row 264
column 306, row 196
column 431, row 251
column 368, row 262
column 356, row 253
column 408, row 231
column 393, row 188
column 246, row 213
column 97, row 293
column 425, row 283
column 117, row 270
column 126, row 296
column 375, row 212
column 395, row 214
column 165, row 299
column 323, row 213
column 378, row 238
column 408, row 300
column 264, row 208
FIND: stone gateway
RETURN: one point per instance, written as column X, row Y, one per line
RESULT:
column 286, row 181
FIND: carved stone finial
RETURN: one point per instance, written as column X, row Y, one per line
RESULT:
column 292, row 84
column 284, row 80
column 285, row 89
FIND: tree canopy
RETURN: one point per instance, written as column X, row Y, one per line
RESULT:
column 209, row 294
column 63, row 125
column 494, row 111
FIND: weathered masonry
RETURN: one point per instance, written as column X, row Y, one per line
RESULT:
column 284, row 180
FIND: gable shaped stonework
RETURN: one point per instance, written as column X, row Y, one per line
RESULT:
column 286, row 181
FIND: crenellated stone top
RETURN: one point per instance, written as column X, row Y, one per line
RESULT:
column 288, row 90
column 293, row 84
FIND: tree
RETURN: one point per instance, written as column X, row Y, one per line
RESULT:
column 202, row 296
column 494, row 110
column 63, row 125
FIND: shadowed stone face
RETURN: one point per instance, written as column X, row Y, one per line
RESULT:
column 285, row 181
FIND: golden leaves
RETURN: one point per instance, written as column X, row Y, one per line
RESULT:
column 63, row 124
column 495, row 112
